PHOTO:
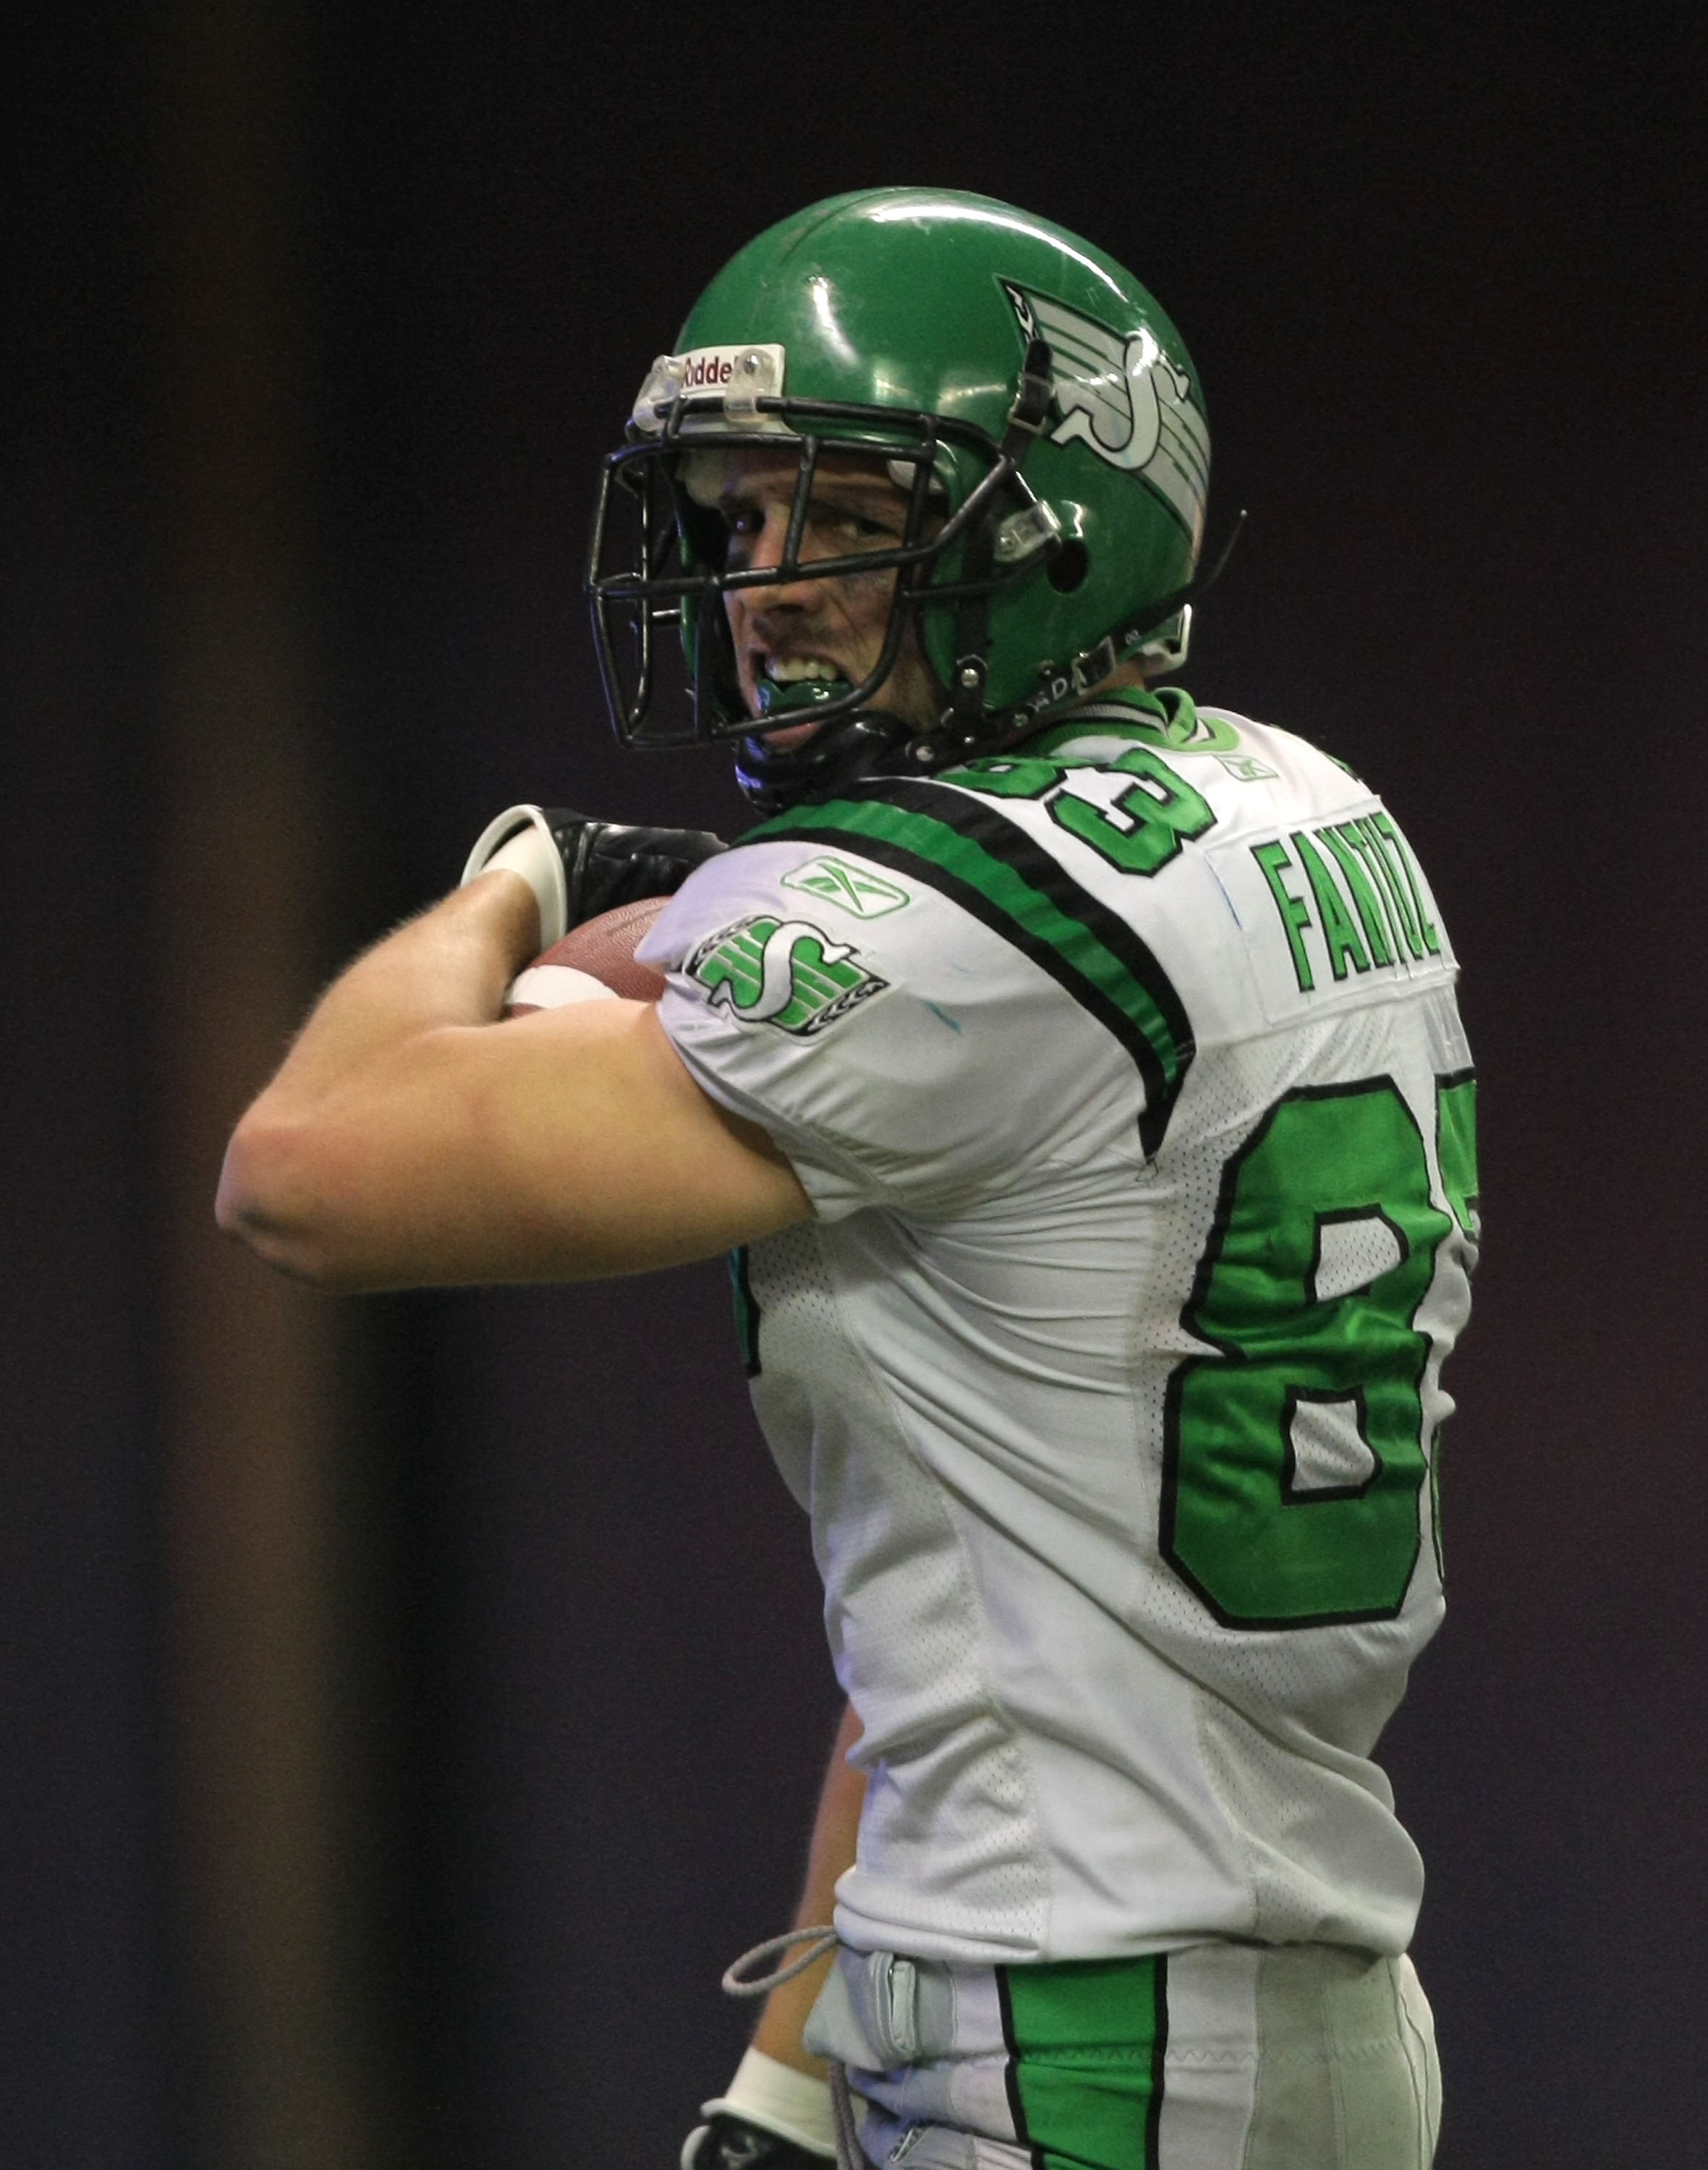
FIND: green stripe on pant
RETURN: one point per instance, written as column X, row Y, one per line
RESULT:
column 1085, row 2045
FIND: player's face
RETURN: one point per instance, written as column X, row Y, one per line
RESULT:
column 819, row 628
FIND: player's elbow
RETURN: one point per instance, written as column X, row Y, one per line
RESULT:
column 276, row 1196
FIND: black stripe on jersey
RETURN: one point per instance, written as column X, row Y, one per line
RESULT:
column 1159, row 2064
column 1162, row 1057
column 746, row 1310
column 1010, row 2071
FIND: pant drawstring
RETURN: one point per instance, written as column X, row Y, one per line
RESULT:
column 738, row 1982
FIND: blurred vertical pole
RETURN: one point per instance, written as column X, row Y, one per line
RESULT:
column 282, row 2063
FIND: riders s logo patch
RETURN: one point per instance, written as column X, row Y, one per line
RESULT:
column 783, row 972
column 1123, row 399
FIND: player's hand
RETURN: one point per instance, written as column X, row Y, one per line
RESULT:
column 578, row 868
column 606, row 863
column 771, row 2117
column 730, row 2143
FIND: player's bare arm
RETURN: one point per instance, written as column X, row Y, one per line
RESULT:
column 776, row 2113
column 835, row 1831
column 411, row 1140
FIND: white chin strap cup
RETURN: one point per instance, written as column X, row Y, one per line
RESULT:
column 521, row 840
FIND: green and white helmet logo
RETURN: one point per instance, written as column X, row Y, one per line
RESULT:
column 783, row 972
column 1124, row 400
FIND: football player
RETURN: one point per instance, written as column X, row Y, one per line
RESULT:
column 1077, row 1076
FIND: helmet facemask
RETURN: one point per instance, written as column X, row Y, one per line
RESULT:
column 659, row 558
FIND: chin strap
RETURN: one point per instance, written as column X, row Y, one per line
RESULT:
column 840, row 752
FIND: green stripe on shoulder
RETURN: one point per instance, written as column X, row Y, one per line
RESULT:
column 985, row 861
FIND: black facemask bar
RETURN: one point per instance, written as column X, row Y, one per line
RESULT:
column 636, row 595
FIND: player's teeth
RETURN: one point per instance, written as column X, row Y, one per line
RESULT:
column 792, row 670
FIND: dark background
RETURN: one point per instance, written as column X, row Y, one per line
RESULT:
column 319, row 321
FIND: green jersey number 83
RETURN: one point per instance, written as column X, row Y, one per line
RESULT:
column 1295, row 1449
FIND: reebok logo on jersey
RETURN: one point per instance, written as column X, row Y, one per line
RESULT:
column 1123, row 399
column 785, row 972
column 836, row 882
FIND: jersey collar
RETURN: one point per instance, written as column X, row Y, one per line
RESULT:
column 1144, row 715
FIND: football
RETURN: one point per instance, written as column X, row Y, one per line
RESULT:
column 595, row 959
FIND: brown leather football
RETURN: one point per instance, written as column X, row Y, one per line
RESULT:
column 604, row 950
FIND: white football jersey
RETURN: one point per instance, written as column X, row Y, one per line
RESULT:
column 1124, row 1076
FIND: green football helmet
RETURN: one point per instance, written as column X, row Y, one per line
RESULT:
column 1034, row 405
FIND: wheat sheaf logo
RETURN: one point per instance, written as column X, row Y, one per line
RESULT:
column 783, row 972
column 1123, row 399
